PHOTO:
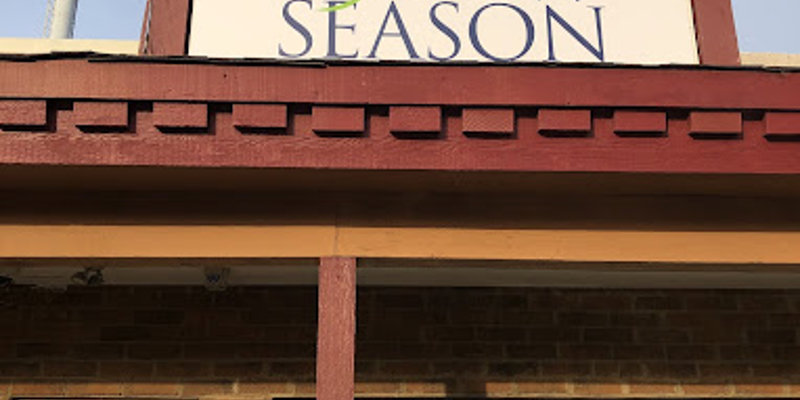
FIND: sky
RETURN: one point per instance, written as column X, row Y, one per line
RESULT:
column 763, row 25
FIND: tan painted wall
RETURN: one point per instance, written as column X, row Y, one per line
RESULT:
column 42, row 46
column 771, row 59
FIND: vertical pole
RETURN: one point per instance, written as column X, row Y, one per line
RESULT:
column 166, row 28
column 716, row 32
column 336, row 329
column 63, row 22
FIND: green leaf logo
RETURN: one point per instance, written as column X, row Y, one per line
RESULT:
column 341, row 6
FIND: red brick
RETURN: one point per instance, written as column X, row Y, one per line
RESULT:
column 100, row 114
column 582, row 319
column 659, row 303
column 183, row 369
column 760, row 389
column 208, row 388
column 501, row 334
column 565, row 121
column 152, row 389
column 667, row 370
column 710, row 302
column 565, row 368
column 21, row 369
column 639, row 352
column 375, row 388
column 265, row 116
column 763, row 303
column 635, row 319
column 525, row 318
column 541, row 388
column 468, row 388
column 691, row 352
column 202, row 351
column 154, row 351
column 43, row 350
column 23, row 113
column 662, row 336
column 630, row 370
column 98, row 351
column 794, row 388
column 124, row 369
column 505, row 369
column 704, row 122
column 547, row 334
column 488, row 120
column 337, row 119
column 159, row 317
column 707, row 389
column 776, row 369
column 638, row 122
column 69, row 369
column 268, row 388
column 305, row 388
column 438, row 389
column 239, row 369
column 531, row 351
column 83, row 389
column 277, row 350
column 477, row 350
column 729, row 370
column 663, row 389
column 180, row 115
column 415, row 119
column 499, row 389
column 784, row 320
column 449, row 333
column 585, row 352
column 745, row 352
column 293, row 369
column 717, row 334
column 598, row 388
column 608, row 335
column 773, row 336
column 465, row 368
column 46, row 388
column 607, row 301
column 405, row 368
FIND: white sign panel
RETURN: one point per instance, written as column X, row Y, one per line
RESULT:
column 615, row 31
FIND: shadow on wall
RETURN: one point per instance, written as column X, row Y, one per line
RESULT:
column 187, row 342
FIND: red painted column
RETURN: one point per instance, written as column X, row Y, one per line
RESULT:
column 336, row 336
column 165, row 31
column 716, row 32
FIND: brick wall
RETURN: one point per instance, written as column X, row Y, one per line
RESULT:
column 257, row 343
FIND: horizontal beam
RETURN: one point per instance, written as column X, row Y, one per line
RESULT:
column 513, row 139
column 46, row 241
column 398, row 118
column 520, row 85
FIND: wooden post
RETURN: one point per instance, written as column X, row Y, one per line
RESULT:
column 336, row 329
column 165, row 31
column 716, row 32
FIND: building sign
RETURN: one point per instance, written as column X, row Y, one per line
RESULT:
column 615, row 31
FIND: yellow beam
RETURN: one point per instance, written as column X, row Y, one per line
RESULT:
column 305, row 241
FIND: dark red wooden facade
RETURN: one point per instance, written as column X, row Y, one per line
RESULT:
column 132, row 112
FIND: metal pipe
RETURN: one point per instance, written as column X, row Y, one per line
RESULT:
column 63, row 22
